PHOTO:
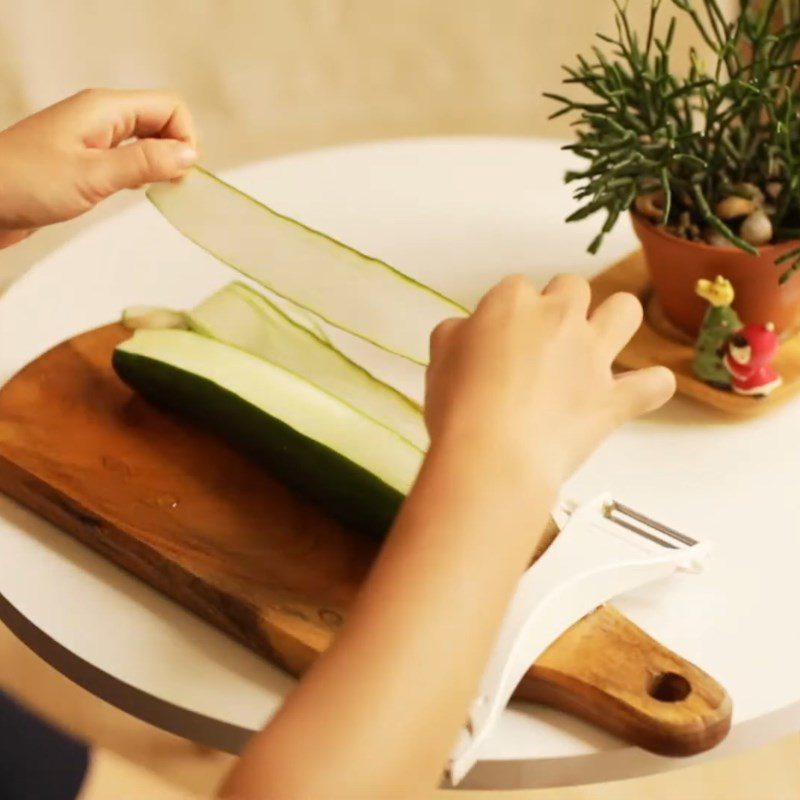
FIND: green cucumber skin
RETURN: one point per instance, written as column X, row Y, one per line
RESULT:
column 350, row 494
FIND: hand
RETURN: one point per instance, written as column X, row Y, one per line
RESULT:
column 62, row 161
column 528, row 377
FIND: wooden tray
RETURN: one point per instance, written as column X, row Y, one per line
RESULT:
column 197, row 520
column 654, row 343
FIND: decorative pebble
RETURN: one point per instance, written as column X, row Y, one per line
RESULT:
column 651, row 205
column 756, row 229
column 715, row 238
column 734, row 206
column 751, row 191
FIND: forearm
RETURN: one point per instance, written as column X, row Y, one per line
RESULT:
column 379, row 713
column 9, row 233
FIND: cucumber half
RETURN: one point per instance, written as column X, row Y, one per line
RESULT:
column 354, row 468
column 346, row 288
column 240, row 316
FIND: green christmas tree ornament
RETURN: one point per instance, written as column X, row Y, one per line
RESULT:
column 719, row 324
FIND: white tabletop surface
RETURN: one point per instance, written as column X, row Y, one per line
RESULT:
column 457, row 213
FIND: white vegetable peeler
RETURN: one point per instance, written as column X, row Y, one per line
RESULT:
column 604, row 548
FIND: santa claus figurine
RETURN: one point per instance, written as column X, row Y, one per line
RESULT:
column 748, row 355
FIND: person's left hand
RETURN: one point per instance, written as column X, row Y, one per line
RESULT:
column 62, row 161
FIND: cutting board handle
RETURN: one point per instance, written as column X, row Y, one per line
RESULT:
column 609, row 672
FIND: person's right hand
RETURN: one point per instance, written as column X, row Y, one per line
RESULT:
column 527, row 377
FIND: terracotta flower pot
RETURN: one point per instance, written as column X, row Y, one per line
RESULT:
column 676, row 264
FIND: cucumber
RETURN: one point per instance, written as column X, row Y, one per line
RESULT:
column 240, row 316
column 346, row 288
column 354, row 468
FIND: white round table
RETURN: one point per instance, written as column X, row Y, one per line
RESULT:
column 457, row 213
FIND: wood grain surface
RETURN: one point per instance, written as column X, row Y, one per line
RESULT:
column 657, row 342
column 197, row 520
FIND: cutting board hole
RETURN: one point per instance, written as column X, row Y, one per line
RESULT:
column 669, row 687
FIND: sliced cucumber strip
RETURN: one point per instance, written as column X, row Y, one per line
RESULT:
column 240, row 316
column 346, row 288
column 353, row 467
column 301, row 316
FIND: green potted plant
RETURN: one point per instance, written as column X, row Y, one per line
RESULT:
column 707, row 163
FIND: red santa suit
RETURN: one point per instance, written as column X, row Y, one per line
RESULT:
column 749, row 353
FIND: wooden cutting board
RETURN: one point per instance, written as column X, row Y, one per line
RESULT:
column 204, row 525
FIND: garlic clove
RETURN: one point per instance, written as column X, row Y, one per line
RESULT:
column 136, row 317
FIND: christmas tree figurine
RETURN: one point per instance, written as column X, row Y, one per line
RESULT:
column 719, row 324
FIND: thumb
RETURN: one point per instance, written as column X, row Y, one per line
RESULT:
column 642, row 391
column 442, row 335
column 145, row 161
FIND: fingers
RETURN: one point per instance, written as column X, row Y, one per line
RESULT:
column 509, row 291
column 123, row 114
column 442, row 338
column 573, row 290
column 161, row 114
column 144, row 161
column 642, row 391
column 616, row 320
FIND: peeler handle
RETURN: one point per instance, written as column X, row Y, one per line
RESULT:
column 588, row 563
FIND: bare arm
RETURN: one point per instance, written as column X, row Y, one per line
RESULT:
column 379, row 714
column 517, row 397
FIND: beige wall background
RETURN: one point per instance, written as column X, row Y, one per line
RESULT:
column 266, row 76
column 272, row 76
